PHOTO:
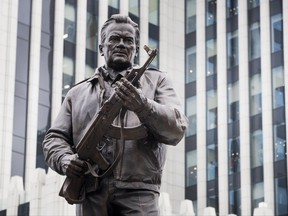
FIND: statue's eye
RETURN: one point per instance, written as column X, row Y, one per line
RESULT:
column 114, row 39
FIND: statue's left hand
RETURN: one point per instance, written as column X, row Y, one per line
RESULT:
column 132, row 98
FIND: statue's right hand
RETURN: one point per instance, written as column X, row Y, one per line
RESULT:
column 72, row 166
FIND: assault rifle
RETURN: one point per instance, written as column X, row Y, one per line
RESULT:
column 87, row 149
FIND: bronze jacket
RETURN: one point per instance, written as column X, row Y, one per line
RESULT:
column 142, row 161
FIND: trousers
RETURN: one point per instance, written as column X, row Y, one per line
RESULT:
column 108, row 200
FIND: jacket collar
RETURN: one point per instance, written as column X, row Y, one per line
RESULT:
column 102, row 71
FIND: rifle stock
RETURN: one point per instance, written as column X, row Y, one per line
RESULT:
column 87, row 148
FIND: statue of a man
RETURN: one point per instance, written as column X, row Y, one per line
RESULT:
column 132, row 188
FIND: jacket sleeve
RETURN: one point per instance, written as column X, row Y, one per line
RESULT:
column 58, row 140
column 163, row 115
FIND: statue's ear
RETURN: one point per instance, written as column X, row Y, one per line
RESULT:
column 101, row 49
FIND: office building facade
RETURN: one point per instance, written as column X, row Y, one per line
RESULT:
column 235, row 92
column 47, row 47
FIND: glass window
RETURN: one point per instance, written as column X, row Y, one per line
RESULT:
column 278, row 87
column 68, row 74
column 191, row 170
column 89, row 71
column 211, row 12
column 153, row 12
column 92, row 32
column 134, row 7
column 70, row 23
column 24, row 11
column 232, row 8
column 211, row 109
column 276, row 33
column 44, row 103
column 255, row 95
column 281, row 196
column 253, row 3
column 234, row 155
column 17, row 167
column 233, row 101
column 235, row 202
column 212, row 166
column 154, row 44
column 257, row 194
column 47, row 16
column 279, row 141
column 44, row 123
column 232, row 49
column 211, row 52
column 22, row 61
column 190, row 64
column 254, row 41
column 45, row 69
column 190, row 16
column 191, row 114
column 113, row 3
column 256, row 149
column 20, row 108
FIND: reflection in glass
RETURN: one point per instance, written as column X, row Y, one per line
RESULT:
column 253, row 3
column 256, row 149
column 234, row 155
column 68, row 74
column 276, row 33
column 212, row 166
column 233, row 101
column 92, row 32
column 20, row 108
column 211, row 109
column 211, row 12
column 257, row 194
column 69, row 46
column 232, row 8
column 211, row 53
column 154, row 44
column 281, row 196
column 113, row 3
column 153, row 12
column 191, row 172
column 232, row 49
column 24, row 12
column 255, row 95
column 190, row 16
column 235, row 202
column 190, row 64
column 44, row 102
column 70, row 23
column 89, row 71
column 280, row 141
column 134, row 7
column 191, row 114
column 17, row 166
column 278, row 86
column 254, row 41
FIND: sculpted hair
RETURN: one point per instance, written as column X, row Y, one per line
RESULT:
column 118, row 18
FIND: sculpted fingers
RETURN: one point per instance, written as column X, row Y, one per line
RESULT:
column 131, row 97
column 72, row 166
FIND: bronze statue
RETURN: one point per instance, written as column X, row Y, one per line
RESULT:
column 111, row 133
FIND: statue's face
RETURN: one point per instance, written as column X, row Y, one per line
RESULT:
column 119, row 48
